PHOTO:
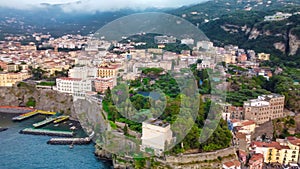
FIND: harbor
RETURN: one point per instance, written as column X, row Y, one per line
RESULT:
column 32, row 151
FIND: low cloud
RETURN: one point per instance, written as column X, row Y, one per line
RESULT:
column 91, row 6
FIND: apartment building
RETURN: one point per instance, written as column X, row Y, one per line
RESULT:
column 75, row 86
column 101, row 84
column 264, row 108
column 278, row 152
column 83, row 72
column 232, row 112
column 9, row 79
column 106, row 70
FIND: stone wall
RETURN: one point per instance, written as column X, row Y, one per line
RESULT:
column 200, row 157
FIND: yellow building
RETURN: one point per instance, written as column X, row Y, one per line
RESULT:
column 263, row 56
column 106, row 70
column 52, row 70
column 284, row 152
column 9, row 79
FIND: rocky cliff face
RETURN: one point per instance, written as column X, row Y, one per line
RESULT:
column 294, row 43
column 49, row 100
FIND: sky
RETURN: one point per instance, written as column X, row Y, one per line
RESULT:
column 97, row 5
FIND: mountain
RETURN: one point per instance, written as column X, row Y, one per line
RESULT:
column 236, row 22
column 51, row 18
column 243, row 23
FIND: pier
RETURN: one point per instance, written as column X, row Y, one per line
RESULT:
column 69, row 141
column 32, row 113
column 61, row 118
column 47, row 132
column 44, row 122
column 25, row 116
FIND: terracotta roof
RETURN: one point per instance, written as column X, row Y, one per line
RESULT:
column 264, row 144
column 240, row 135
column 234, row 120
column 256, row 157
column 295, row 142
column 247, row 123
column 68, row 78
column 235, row 163
column 242, row 153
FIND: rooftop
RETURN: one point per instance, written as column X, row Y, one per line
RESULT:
column 235, row 163
column 157, row 122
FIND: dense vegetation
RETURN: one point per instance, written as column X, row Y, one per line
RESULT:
column 139, row 96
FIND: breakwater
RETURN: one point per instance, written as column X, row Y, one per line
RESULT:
column 69, row 141
column 47, row 132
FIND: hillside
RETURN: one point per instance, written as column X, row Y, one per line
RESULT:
column 243, row 23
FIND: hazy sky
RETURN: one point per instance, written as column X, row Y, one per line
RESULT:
column 97, row 5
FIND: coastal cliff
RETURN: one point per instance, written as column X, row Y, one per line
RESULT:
column 24, row 94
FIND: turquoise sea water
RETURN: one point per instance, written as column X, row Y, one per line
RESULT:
column 18, row 151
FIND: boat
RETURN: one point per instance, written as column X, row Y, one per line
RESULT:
column 3, row 129
column 73, row 127
column 71, row 146
column 56, row 125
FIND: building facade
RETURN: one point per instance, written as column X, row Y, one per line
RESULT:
column 83, row 72
column 156, row 135
column 277, row 152
column 75, row 86
column 265, row 108
column 101, row 84
column 9, row 79
column 106, row 70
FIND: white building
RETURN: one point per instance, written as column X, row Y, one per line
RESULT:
column 205, row 64
column 205, row 45
column 156, row 135
column 188, row 41
column 164, row 39
column 75, row 86
column 83, row 72
column 278, row 16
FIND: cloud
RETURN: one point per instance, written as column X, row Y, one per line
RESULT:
column 98, row 5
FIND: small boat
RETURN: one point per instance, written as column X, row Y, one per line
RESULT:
column 72, row 145
column 3, row 129
column 73, row 127
column 56, row 125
